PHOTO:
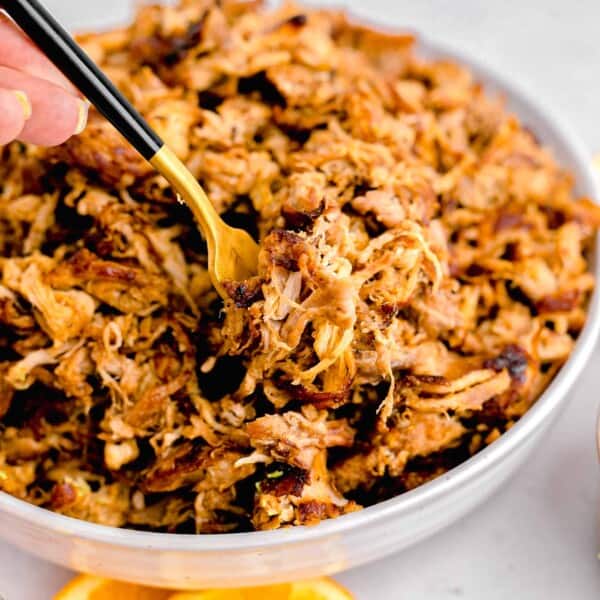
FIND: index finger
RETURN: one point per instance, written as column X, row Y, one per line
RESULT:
column 18, row 52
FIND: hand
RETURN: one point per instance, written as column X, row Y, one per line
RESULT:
column 37, row 103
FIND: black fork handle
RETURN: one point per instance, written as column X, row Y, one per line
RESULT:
column 78, row 67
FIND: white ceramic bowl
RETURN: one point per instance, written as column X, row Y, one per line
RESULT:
column 188, row 561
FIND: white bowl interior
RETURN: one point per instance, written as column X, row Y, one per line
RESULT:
column 184, row 561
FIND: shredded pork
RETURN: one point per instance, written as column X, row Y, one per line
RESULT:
column 422, row 278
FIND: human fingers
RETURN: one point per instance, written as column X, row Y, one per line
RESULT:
column 18, row 52
column 56, row 114
column 15, row 110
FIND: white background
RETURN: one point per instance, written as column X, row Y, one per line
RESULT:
column 539, row 537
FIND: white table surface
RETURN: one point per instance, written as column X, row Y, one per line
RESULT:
column 539, row 537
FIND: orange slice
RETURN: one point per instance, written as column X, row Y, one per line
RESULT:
column 87, row 587
column 311, row 589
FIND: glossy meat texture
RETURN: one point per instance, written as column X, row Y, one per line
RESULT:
column 422, row 278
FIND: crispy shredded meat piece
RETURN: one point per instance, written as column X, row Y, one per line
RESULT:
column 423, row 276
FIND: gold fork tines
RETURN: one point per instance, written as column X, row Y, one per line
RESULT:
column 232, row 253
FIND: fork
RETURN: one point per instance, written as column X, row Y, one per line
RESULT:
column 232, row 253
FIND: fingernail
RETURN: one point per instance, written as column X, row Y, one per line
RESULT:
column 24, row 102
column 84, row 107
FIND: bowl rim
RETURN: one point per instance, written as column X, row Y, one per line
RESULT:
column 430, row 492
